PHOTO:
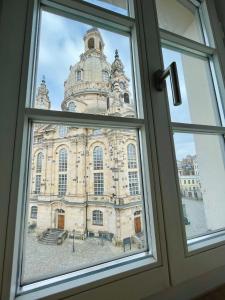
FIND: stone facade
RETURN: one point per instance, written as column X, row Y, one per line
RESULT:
column 87, row 179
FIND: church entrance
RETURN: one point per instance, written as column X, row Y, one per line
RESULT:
column 137, row 224
column 61, row 219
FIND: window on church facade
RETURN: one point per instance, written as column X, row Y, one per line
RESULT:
column 97, row 217
column 105, row 75
column 62, row 185
column 62, row 160
column 37, row 184
column 126, row 98
column 63, row 131
column 72, row 107
column 78, row 75
column 91, row 43
column 133, row 183
column 33, row 212
column 98, row 183
column 39, row 162
column 131, row 155
column 98, row 158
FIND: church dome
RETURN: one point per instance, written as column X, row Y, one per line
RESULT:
column 90, row 76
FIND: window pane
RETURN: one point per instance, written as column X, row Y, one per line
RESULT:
column 180, row 17
column 200, row 163
column 199, row 102
column 83, row 69
column 118, row 6
column 85, row 205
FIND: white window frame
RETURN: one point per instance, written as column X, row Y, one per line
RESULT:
column 152, row 276
column 37, row 184
column 97, row 217
column 131, row 156
column 207, row 253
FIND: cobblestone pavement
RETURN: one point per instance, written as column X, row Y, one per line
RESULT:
column 196, row 216
column 43, row 261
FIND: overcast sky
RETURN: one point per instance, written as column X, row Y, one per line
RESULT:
column 61, row 44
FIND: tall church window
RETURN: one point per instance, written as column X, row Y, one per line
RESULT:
column 72, row 107
column 63, row 160
column 62, row 185
column 98, row 158
column 98, row 184
column 78, row 75
column 91, row 43
column 131, row 156
column 133, row 183
column 105, row 75
column 39, row 162
column 33, row 212
column 37, row 184
column 97, row 217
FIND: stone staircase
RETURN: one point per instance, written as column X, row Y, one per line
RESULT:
column 51, row 236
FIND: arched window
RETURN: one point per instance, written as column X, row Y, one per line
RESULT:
column 78, row 75
column 97, row 217
column 72, row 107
column 63, row 160
column 33, row 212
column 63, row 131
column 91, row 43
column 39, row 162
column 131, row 156
column 126, row 98
column 98, row 158
column 105, row 76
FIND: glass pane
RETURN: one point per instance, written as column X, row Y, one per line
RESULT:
column 200, row 163
column 85, row 203
column 199, row 103
column 118, row 6
column 83, row 69
column 180, row 17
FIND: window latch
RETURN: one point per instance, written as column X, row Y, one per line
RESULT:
column 160, row 82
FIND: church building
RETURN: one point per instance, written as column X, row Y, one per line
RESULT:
column 87, row 180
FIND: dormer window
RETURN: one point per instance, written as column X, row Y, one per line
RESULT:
column 105, row 75
column 78, row 75
column 91, row 43
column 122, row 85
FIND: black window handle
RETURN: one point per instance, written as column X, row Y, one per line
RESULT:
column 160, row 83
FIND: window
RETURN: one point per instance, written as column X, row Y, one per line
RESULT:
column 78, row 75
column 105, row 75
column 129, row 247
column 62, row 186
column 91, row 43
column 33, row 212
column 133, row 183
column 62, row 160
column 39, row 162
column 37, row 184
column 72, row 107
column 126, row 98
column 131, row 154
column 98, row 184
column 98, row 158
column 97, row 217
column 63, row 131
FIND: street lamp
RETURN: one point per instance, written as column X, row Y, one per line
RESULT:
column 73, row 240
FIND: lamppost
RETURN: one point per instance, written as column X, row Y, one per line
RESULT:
column 73, row 240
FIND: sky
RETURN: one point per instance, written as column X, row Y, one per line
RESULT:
column 60, row 46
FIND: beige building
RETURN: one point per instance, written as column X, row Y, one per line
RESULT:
column 87, row 179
